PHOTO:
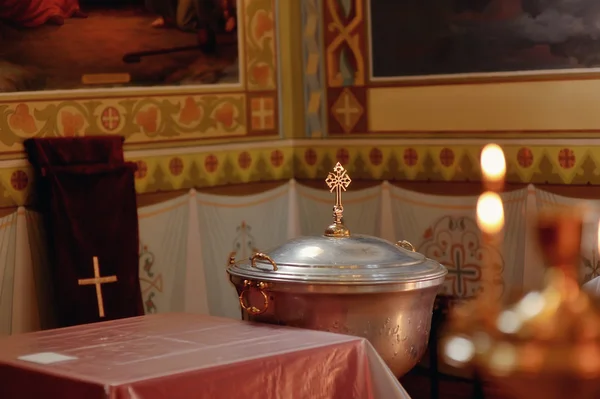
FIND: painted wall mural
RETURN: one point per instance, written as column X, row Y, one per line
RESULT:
column 82, row 44
column 183, row 112
column 464, row 37
column 339, row 93
column 374, row 67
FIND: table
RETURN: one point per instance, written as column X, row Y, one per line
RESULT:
column 179, row 355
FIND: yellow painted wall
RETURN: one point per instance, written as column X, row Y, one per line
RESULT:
column 541, row 105
column 291, row 74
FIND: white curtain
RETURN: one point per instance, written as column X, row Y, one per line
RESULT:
column 196, row 298
column 25, row 313
column 238, row 226
column 8, row 238
column 386, row 229
column 445, row 229
column 163, row 255
column 36, row 234
column 294, row 229
column 362, row 210
column 185, row 243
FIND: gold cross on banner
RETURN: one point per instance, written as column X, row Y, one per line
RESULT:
column 338, row 180
column 97, row 280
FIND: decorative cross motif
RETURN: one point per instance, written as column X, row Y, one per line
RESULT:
column 276, row 158
column 566, row 158
column 98, row 281
column 19, row 180
column 262, row 113
column 342, row 156
column 310, row 156
column 410, row 157
column 525, row 157
column 447, row 157
column 244, row 160
column 338, row 180
column 375, row 156
column 110, row 118
column 347, row 111
column 461, row 269
column 455, row 243
column 211, row 162
column 176, row 166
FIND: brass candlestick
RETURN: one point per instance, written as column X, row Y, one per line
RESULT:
column 547, row 344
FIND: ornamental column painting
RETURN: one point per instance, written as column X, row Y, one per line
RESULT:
column 346, row 66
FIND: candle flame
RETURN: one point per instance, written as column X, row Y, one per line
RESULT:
column 490, row 213
column 493, row 164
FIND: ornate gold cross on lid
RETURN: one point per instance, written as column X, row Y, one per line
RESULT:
column 98, row 281
column 338, row 180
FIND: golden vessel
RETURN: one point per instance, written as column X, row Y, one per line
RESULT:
column 547, row 343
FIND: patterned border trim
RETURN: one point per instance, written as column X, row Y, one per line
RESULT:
column 525, row 163
column 208, row 112
column 176, row 172
column 214, row 168
column 314, row 74
column 378, row 161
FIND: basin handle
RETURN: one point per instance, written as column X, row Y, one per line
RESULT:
column 406, row 245
column 261, row 256
column 253, row 310
column 231, row 260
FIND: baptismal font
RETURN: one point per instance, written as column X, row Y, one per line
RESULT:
column 546, row 344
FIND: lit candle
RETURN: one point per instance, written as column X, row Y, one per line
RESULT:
column 490, row 219
column 490, row 213
column 493, row 167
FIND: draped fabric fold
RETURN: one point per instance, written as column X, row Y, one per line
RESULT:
column 294, row 229
column 40, row 264
column 445, row 229
column 196, row 298
column 238, row 226
column 386, row 228
column 25, row 313
column 163, row 255
column 87, row 196
column 8, row 237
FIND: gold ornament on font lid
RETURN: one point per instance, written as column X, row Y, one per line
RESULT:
column 339, row 181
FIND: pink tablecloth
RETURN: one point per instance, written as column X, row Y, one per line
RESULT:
column 174, row 356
